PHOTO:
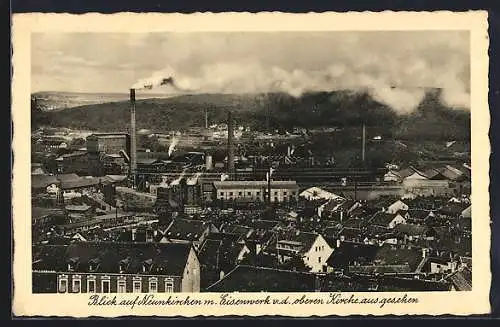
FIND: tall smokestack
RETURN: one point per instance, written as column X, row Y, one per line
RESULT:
column 133, row 140
column 363, row 146
column 230, row 145
column 206, row 118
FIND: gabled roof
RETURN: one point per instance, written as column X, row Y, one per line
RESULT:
column 453, row 209
column 419, row 214
column 167, row 259
column 305, row 239
column 411, row 229
column 243, row 231
column 382, row 218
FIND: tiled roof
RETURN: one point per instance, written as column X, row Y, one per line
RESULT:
column 411, row 229
column 380, row 269
column 461, row 279
column 185, row 229
column 260, row 279
column 419, row 214
column 382, row 218
column 167, row 259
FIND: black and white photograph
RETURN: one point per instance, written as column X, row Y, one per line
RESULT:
column 251, row 161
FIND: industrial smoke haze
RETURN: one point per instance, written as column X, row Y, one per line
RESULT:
column 400, row 88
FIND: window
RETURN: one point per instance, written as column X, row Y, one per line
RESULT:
column 240, row 193
column 230, row 193
column 153, row 285
column 105, row 285
column 249, row 193
column 284, row 193
column 275, row 192
column 137, row 286
column 319, row 259
column 169, row 285
column 221, row 193
column 77, row 283
column 91, row 284
column 258, row 193
column 63, row 284
column 121, row 285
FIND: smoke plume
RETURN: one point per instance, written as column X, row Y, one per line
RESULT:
column 173, row 144
column 401, row 86
column 178, row 179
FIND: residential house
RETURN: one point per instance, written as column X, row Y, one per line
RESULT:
column 219, row 254
column 419, row 216
column 187, row 231
column 311, row 247
column 386, row 220
column 396, row 207
column 113, row 267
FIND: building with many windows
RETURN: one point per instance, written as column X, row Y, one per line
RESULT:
column 114, row 267
column 281, row 191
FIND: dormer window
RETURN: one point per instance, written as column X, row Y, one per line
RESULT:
column 123, row 265
column 146, row 265
column 94, row 264
column 72, row 264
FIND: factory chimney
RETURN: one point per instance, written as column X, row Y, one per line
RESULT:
column 363, row 146
column 230, row 145
column 206, row 118
column 133, row 139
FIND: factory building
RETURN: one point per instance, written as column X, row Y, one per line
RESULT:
column 108, row 143
column 281, row 191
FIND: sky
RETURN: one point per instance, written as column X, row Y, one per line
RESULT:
column 394, row 66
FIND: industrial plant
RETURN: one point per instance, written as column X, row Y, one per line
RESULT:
column 265, row 191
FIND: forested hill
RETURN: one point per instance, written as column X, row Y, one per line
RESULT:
column 431, row 120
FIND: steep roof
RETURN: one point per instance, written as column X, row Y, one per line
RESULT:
column 166, row 259
column 305, row 239
column 382, row 218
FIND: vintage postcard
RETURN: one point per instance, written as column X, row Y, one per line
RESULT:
column 251, row 164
